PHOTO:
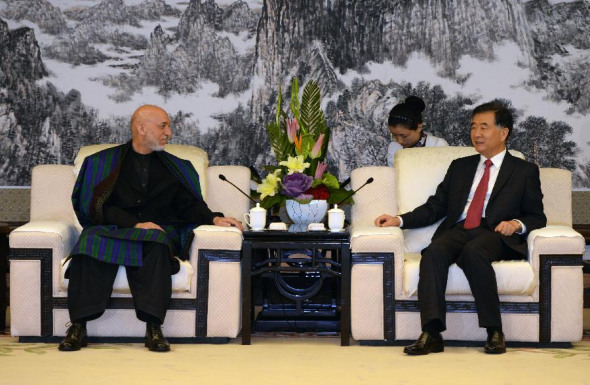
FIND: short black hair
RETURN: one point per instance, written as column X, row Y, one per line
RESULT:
column 502, row 115
column 408, row 113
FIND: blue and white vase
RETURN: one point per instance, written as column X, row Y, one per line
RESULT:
column 306, row 213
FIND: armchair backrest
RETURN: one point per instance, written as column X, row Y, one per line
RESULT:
column 418, row 171
column 557, row 196
column 51, row 191
column 223, row 197
column 376, row 198
column 198, row 158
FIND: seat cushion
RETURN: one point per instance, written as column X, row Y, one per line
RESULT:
column 181, row 281
column 513, row 277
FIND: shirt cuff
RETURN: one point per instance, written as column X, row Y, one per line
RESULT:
column 401, row 221
column 522, row 226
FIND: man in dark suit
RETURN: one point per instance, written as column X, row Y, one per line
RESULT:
column 137, row 204
column 490, row 203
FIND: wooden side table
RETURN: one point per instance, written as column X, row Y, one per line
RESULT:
column 274, row 253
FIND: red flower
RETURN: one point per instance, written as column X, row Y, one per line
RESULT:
column 319, row 192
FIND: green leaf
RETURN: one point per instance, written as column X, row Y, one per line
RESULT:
column 338, row 195
column 330, row 181
column 307, row 143
column 295, row 102
column 279, row 110
column 270, row 201
column 316, row 183
column 279, row 140
column 303, row 201
column 312, row 115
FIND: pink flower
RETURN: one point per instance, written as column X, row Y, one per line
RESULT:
column 317, row 147
column 292, row 129
column 320, row 169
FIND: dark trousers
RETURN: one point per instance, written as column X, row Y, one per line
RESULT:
column 91, row 285
column 473, row 251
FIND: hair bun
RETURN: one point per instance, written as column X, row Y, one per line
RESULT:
column 415, row 103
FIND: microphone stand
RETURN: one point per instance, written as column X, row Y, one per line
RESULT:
column 223, row 178
column 370, row 180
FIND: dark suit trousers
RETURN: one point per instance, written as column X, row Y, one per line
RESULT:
column 91, row 285
column 474, row 251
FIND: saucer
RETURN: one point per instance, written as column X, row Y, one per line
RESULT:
column 336, row 230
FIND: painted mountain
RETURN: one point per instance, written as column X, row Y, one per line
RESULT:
column 71, row 73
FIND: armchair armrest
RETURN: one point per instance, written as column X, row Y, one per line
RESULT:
column 60, row 236
column 555, row 240
column 368, row 238
column 215, row 254
column 377, row 259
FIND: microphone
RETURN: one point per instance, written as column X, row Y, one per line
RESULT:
column 223, row 178
column 370, row 180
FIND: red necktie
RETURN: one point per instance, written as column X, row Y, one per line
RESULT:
column 473, row 218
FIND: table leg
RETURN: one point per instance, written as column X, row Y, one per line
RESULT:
column 246, row 292
column 345, row 296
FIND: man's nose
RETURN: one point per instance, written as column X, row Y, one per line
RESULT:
column 168, row 131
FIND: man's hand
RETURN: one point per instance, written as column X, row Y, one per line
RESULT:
column 227, row 222
column 507, row 227
column 148, row 225
column 386, row 221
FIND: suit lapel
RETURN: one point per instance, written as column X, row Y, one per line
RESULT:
column 503, row 175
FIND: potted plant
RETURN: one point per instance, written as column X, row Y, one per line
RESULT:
column 299, row 139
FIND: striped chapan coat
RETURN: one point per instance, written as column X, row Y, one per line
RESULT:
column 109, row 243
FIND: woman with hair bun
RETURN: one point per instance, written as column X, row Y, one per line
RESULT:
column 405, row 125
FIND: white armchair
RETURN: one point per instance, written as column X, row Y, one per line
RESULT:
column 541, row 297
column 205, row 303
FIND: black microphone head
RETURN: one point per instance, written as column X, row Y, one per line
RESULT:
column 222, row 177
column 370, row 180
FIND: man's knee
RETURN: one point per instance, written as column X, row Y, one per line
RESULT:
column 434, row 255
column 474, row 254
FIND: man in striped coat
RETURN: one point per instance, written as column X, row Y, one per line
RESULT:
column 137, row 204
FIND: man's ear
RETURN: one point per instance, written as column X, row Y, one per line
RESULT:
column 505, row 132
column 140, row 129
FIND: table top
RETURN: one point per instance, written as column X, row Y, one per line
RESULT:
column 296, row 235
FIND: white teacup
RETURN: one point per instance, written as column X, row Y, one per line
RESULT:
column 256, row 218
column 336, row 219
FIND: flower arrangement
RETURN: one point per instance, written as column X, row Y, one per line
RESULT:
column 299, row 140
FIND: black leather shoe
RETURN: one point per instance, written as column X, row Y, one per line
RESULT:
column 496, row 343
column 76, row 338
column 155, row 340
column 427, row 343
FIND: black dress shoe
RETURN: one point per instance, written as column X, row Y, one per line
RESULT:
column 155, row 340
column 496, row 343
column 76, row 338
column 427, row 343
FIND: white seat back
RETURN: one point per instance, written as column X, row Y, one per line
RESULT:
column 222, row 196
column 198, row 158
column 375, row 198
column 557, row 196
column 51, row 193
column 418, row 171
